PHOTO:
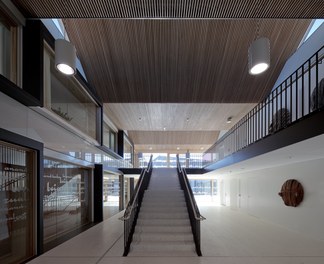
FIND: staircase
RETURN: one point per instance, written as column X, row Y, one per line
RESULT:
column 163, row 227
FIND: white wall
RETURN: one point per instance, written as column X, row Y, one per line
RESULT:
column 256, row 193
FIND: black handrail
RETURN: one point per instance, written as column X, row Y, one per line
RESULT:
column 193, row 210
column 134, row 205
column 301, row 94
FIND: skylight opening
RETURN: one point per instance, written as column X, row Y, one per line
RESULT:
column 314, row 26
column 59, row 25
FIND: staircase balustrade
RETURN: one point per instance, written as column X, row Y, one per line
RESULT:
column 300, row 95
column 133, row 206
column 193, row 210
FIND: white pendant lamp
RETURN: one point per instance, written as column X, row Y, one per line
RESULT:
column 259, row 56
column 65, row 57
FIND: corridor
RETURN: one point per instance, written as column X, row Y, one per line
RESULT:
column 228, row 237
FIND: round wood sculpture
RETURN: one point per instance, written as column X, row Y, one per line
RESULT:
column 292, row 193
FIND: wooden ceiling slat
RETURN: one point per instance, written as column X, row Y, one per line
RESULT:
column 172, row 9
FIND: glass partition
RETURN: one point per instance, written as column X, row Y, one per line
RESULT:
column 111, row 194
column 65, row 97
column 66, row 199
column 8, row 48
column 109, row 137
column 17, row 177
column 128, row 151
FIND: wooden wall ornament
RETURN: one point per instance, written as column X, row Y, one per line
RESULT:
column 292, row 193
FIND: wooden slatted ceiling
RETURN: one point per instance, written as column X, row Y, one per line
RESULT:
column 171, row 148
column 172, row 8
column 175, row 117
column 173, row 137
column 183, row 61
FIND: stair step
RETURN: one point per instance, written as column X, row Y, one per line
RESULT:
column 165, row 200
column 163, row 222
column 163, row 193
column 163, row 228
column 165, row 209
column 163, row 246
column 163, row 204
column 156, row 215
column 162, row 237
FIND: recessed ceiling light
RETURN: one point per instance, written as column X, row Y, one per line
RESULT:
column 229, row 120
column 150, row 148
column 202, row 148
column 178, row 148
column 140, row 119
column 164, row 128
column 187, row 119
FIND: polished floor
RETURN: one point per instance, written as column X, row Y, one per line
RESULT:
column 228, row 237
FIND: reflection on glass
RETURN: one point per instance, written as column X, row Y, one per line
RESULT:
column 66, row 198
column 8, row 48
column 5, row 41
column 109, row 137
column 111, row 194
column 128, row 151
column 66, row 98
column 16, row 203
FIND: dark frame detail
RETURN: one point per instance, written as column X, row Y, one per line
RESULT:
column 16, row 139
column 98, row 193
column 120, row 144
column 33, row 60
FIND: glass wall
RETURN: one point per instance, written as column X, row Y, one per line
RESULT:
column 203, row 187
column 65, row 96
column 128, row 150
column 165, row 160
column 111, row 194
column 66, row 199
column 8, row 49
column 109, row 137
column 17, row 176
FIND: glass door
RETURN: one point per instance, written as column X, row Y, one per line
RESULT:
column 17, row 178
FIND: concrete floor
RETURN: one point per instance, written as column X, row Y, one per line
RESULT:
column 228, row 237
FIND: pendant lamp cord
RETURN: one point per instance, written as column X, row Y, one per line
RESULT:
column 258, row 22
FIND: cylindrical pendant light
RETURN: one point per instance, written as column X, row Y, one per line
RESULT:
column 65, row 57
column 259, row 56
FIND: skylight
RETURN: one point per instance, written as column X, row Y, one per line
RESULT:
column 315, row 25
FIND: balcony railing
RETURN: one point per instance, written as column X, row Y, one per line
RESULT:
column 301, row 94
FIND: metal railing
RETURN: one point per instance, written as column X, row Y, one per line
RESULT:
column 133, row 207
column 301, row 94
column 193, row 210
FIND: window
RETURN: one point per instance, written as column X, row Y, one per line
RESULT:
column 65, row 97
column 111, row 194
column 17, row 176
column 109, row 137
column 66, row 199
column 8, row 48
column 128, row 151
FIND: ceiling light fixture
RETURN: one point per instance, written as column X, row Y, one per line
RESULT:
column 259, row 56
column 229, row 120
column 65, row 57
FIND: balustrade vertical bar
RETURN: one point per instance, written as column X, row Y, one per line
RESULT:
column 258, row 122
column 291, row 101
column 303, row 91
column 316, row 82
column 297, row 98
column 309, row 86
